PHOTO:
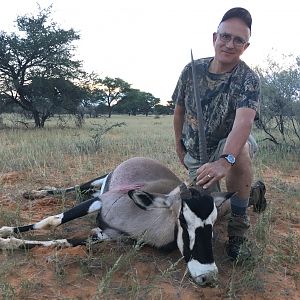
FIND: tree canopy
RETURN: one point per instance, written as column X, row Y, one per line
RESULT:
column 280, row 100
column 40, row 52
column 111, row 91
column 137, row 102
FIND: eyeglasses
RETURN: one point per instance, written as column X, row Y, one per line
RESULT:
column 238, row 42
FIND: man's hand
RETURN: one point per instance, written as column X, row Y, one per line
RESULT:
column 180, row 150
column 211, row 172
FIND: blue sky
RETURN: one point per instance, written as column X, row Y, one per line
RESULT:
column 147, row 43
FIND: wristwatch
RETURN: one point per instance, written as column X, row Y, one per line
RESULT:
column 229, row 157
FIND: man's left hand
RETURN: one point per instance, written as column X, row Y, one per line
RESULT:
column 212, row 172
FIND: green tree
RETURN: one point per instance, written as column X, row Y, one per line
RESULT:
column 280, row 84
column 137, row 102
column 38, row 52
column 147, row 103
column 130, row 102
column 110, row 91
column 162, row 109
column 54, row 95
column 92, row 104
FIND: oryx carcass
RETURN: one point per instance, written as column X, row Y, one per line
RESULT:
column 141, row 199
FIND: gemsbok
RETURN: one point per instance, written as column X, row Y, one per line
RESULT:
column 140, row 199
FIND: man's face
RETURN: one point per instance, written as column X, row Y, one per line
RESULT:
column 231, row 41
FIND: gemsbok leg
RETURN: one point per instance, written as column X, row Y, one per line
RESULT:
column 8, row 241
column 96, row 185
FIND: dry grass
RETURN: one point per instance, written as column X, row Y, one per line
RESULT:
column 117, row 270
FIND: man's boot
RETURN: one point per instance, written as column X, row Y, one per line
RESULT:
column 236, row 247
column 257, row 196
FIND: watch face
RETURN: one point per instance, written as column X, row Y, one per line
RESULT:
column 230, row 158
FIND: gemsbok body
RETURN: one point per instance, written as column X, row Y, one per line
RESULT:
column 141, row 199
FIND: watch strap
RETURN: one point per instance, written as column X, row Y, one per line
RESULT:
column 226, row 156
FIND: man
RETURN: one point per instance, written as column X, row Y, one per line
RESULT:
column 229, row 94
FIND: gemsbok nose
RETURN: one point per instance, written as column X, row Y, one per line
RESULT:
column 209, row 279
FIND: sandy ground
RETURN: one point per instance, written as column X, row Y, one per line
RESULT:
column 92, row 273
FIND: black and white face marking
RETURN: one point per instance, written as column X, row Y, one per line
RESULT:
column 194, row 240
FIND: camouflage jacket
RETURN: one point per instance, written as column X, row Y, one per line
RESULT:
column 220, row 96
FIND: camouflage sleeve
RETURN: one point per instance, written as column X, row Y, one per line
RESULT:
column 250, row 92
column 178, row 96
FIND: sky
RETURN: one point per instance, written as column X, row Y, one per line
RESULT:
column 148, row 42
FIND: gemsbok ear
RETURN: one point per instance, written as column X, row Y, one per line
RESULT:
column 148, row 201
column 142, row 199
column 222, row 201
column 222, row 196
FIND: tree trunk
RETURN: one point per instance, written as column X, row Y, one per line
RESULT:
column 43, row 119
column 295, row 129
column 281, row 127
column 109, row 111
column 272, row 138
column 36, row 117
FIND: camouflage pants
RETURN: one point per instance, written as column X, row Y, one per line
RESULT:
column 237, row 225
column 193, row 164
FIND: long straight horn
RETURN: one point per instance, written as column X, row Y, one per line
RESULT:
column 201, row 127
